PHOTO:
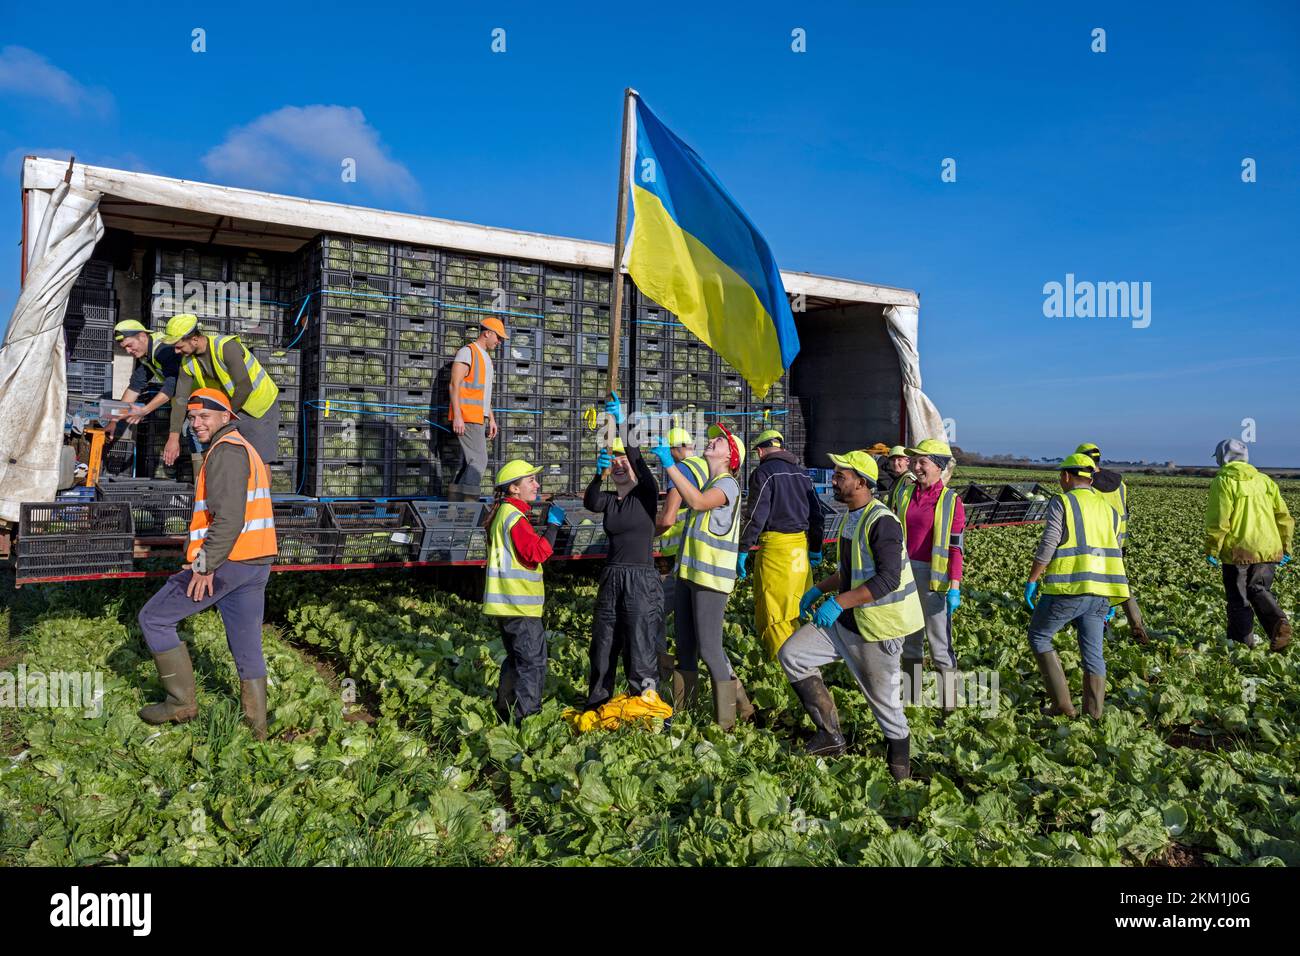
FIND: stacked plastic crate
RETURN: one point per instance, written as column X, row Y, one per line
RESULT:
column 88, row 334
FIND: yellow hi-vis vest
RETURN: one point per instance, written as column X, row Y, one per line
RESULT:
column 511, row 590
column 905, row 480
column 945, row 510
column 1118, row 499
column 150, row 362
column 709, row 559
column 264, row 392
column 1088, row 559
column 672, row 539
column 898, row 613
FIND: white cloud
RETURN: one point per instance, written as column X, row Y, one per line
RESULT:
column 307, row 144
column 27, row 73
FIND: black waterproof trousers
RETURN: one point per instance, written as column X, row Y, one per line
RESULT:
column 523, row 674
column 1249, row 588
column 628, row 615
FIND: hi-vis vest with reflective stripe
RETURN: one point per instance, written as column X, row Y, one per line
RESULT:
column 264, row 392
column 1088, row 559
column 898, row 613
column 709, row 559
column 472, row 388
column 903, row 481
column 1118, row 499
column 257, row 538
column 511, row 590
column 698, row 468
column 149, row 361
column 945, row 510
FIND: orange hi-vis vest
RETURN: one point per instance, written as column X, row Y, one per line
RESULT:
column 257, row 539
column 471, row 389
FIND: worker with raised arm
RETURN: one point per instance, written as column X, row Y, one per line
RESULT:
column 1111, row 486
column 933, row 520
column 470, row 406
column 153, row 375
column 783, row 516
column 870, row 607
column 1080, row 571
column 231, row 548
column 513, row 592
column 1249, row 534
column 671, row 523
column 223, row 362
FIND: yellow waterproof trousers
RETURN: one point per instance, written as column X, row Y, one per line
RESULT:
column 781, row 577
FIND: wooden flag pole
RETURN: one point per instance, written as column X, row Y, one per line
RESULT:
column 625, row 158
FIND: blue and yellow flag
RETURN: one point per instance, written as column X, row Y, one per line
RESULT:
column 695, row 252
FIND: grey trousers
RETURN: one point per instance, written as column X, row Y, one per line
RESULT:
column 699, row 616
column 936, row 633
column 875, row 665
column 263, row 433
column 473, row 446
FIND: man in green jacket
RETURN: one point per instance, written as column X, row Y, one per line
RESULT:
column 1248, row 530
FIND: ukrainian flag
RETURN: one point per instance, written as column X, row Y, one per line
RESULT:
column 695, row 252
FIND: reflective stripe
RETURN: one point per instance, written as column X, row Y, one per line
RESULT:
column 689, row 562
column 198, row 533
column 259, row 524
column 259, row 493
column 471, row 401
column 200, row 506
column 1094, row 552
column 515, row 599
column 893, row 597
column 1085, row 576
column 897, row 613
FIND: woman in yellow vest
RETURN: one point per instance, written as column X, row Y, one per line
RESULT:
column 513, row 593
column 1112, row 487
column 1081, row 570
column 231, row 549
column 224, row 363
column 671, row 524
column 706, row 568
column 874, row 584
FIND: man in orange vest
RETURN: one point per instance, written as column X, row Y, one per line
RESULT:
column 231, row 549
column 470, row 407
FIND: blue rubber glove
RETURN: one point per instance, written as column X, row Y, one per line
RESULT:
column 954, row 599
column 1214, row 562
column 1031, row 590
column 665, row 455
column 604, row 460
column 741, row 560
column 614, row 408
column 1110, row 614
column 814, row 558
column 1286, row 559
column 809, row 597
column 827, row 613
column 555, row 516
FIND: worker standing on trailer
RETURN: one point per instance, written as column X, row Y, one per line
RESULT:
column 671, row 523
column 898, row 470
column 1249, row 531
column 706, row 568
column 784, row 518
column 1081, row 569
column 470, row 406
column 1110, row 485
column 153, row 376
column 629, row 602
column 513, row 592
column 934, row 521
column 231, row 549
column 223, row 362
column 874, row 584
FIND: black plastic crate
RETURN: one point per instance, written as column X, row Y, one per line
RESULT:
column 559, row 348
column 593, row 349
column 446, row 515
column 350, row 329
column 346, row 435
column 979, row 503
column 593, row 385
column 352, row 254
column 417, row 263
column 471, row 272
column 418, row 334
column 414, row 370
column 365, row 368
column 651, row 352
column 524, row 345
column 414, row 443
column 303, row 533
column 346, row 478
column 284, row 366
column 414, row 478
column 1013, row 506
column 731, row 389
column 74, row 519
column 559, row 315
column 652, row 385
column 87, row 343
column 417, row 406
column 163, row 514
column 518, row 376
column 417, row 298
column 90, row 378
column 93, row 305
column 356, row 292
column 96, row 272
column 523, row 276
column 68, row 555
column 692, row 387
column 284, row 477
column 204, row 263
column 372, row 531
column 556, row 413
column 596, row 286
column 559, row 283
column 288, row 438
column 471, row 547
column 290, row 405
column 267, row 269
column 468, row 306
column 558, row 381
column 691, row 356
column 520, row 443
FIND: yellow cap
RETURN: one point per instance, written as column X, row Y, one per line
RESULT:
column 771, row 435
column 931, row 446
column 127, row 327
column 677, row 437
column 618, row 447
column 898, row 451
column 736, row 443
column 1089, row 449
column 860, row 462
column 1079, row 462
column 512, row 471
column 179, row 326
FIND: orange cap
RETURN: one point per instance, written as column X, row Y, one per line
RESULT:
column 493, row 324
column 210, row 398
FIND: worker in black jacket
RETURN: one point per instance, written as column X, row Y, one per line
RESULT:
column 784, row 518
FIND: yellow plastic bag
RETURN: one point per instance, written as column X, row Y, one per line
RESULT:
column 617, row 711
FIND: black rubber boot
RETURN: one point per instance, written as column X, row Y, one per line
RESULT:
column 176, row 673
column 899, row 755
column 817, row 701
column 252, row 695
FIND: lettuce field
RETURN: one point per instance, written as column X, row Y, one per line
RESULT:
column 385, row 749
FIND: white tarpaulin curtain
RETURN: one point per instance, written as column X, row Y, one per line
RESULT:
column 923, row 419
column 63, row 227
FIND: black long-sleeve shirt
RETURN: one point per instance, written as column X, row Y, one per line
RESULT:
column 782, row 498
column 630, row 520
column 886, row 541
column 170, row 364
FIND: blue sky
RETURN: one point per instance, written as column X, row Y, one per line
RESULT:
column 1115, row 166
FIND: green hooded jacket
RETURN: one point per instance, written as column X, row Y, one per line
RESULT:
column 1246, row 522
